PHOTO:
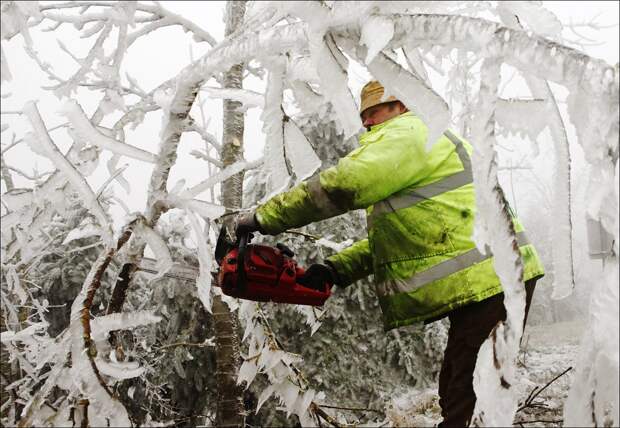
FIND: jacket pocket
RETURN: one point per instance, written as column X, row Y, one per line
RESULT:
column 410, row 233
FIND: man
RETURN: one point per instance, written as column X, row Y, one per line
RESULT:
column 420, row 211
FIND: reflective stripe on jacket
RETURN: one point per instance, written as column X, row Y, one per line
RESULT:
column 420, row 209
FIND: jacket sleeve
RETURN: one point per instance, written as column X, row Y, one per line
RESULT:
column 382, row 166
column 352, row 263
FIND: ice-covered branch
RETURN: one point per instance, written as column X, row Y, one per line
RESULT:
column 496, row 401
column 60, row 161
column 66, row 87
column 85, row 130
column 562, row 227
column 219, row 177
column 273, row 127
column 246, row 97
column 154, row 12
column 526, row 51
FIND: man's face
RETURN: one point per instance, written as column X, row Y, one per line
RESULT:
column 380, row 113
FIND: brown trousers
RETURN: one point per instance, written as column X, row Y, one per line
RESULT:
column 469, row 328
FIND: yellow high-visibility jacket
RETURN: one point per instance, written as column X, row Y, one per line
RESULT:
column 420, row 209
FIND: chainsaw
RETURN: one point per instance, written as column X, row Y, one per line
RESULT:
column 262, row 273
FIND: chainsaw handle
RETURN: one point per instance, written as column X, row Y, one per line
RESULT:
column 241, row 276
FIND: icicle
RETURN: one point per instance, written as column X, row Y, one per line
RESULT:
column 299, row 152
column 377, row 31
column 525, row 118
column 278, row 177
column 562, row 243
column 158, row 246
column 205, row 260
column 414, row 93
column 328, row 61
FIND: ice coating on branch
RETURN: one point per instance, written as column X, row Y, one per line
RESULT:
column 299, row 152
column 593, row 399
column 84, row 230
column 377, row 31
column 205, row 260
column 205, row 209
column 5, row 71
column 157, row 244
column 226, row 173
column 24, row 334
column 308, row 100
column 247, row 98
column 328, row 61
column 112, row 169
column 596, row 120
column 278, row 177
column 562, row 243
column 103, row 325
column 494, row 375
column 65, row 167
column 312, row 315
column 525, row 118
column 14, row 19
column 265, row 356
column 125, row 370
column 533, row 14
column 414, row 93
column 301, row 68
column 87, row 132
column 105, row 409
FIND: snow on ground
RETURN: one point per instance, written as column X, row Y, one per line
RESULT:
column 546, row 351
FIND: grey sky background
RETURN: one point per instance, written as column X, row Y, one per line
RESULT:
column 161, row 55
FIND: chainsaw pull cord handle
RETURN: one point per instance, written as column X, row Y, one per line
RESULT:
column 241, row 277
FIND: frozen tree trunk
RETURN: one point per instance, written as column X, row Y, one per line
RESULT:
column 230, row 411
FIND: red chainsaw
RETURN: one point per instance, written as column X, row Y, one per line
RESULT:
column 263, row 273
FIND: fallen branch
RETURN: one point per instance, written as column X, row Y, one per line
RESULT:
column 316, row 409
column 354, row 409
column 529, row 401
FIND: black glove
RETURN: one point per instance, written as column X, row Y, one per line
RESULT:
column 247, row 223
column 317, row 275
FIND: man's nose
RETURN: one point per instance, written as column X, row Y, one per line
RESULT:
column 368, row 122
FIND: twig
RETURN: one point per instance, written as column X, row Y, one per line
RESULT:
column 316, row 409
column 115, row 174
column 559, row 421
column 360, row 409
column 306, row 235
column 199, row 345
column 536, row 392
column 84, row 403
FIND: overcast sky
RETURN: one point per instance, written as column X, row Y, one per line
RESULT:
column 162, row 55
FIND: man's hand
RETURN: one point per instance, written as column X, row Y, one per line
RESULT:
column 247, row 223
column 317, row 275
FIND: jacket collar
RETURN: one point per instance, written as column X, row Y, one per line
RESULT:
column 374, row 130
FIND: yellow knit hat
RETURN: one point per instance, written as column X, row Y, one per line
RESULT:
column 371, row 95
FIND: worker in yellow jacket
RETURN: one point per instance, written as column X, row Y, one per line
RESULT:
column 420, row 209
